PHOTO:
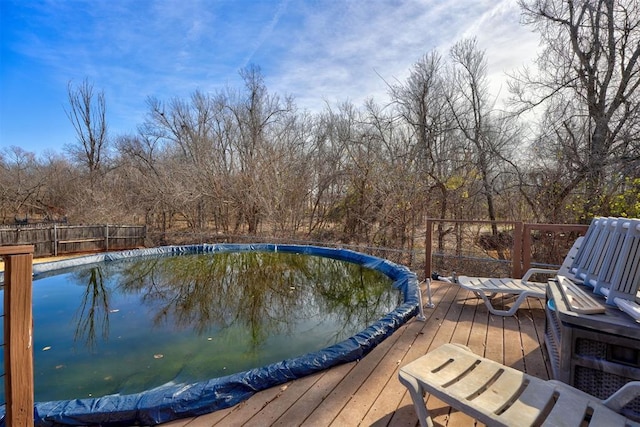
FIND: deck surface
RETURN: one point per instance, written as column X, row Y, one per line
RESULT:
column 368, row 393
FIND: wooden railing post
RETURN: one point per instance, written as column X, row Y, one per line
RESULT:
column 55, row 239
column 18, row 334
column 516, row 257
column 428, row 249
column 526, row 246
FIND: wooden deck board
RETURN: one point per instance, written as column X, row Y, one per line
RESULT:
column 533, row 354
column 276, row 407
column 368, row 393
column 308, row 403
column 443, row 297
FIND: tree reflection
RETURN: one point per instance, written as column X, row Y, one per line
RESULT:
column 353, row 293
column 93, row 313
column 266, row 293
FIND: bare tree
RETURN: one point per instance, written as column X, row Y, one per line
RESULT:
column 87, row 113
column 421, row 103
column 256, row 113
column 591, row 59
column 21, row 183
column 471, row 107
column 398, row 185
column 326, row 168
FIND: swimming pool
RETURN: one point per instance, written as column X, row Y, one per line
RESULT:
column 177, row 399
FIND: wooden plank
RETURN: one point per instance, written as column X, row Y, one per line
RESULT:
column 307, row 403
column 248, row 408
column 16, row 250
column 440, row 411
column 479, row 326
column 472, row 325
column 446, row 334
column 387, row 401
column 532, row 332
column 353, row 398
column 207, row 420
column 18, row 333
column 477, row 343
column 64, row 242
column 434, row 333
column 513, row 342
column 382, row 369
column 393, row 405
column 290, row 393
column 462, row 327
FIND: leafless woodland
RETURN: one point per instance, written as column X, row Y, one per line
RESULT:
column 246, row 161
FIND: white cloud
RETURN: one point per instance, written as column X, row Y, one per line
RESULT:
column 315, row 50
column 345, row 51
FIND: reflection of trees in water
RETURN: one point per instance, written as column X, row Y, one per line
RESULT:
column 201, row 292
column 93, row 312
column 356, row 295
column 267, row 293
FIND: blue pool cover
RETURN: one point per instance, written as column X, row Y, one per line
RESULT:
column 176, row 401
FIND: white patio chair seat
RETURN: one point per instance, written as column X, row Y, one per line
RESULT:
column 498, row 395
column 523, row 288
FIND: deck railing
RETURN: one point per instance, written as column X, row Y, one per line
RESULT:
column 18, row 333
column 509, row 242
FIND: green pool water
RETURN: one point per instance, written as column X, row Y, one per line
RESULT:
column 128, row 326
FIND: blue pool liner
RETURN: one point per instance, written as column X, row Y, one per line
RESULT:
column 175, row 401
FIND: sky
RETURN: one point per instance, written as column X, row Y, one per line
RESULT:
column 320, row 52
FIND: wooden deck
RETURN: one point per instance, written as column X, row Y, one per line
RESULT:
column 368, row 393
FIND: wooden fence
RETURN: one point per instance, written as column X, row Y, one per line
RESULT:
column 55, row 239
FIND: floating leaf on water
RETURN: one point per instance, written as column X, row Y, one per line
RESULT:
column 46, row 348
column 158, row 356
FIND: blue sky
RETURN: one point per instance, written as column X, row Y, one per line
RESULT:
column 318, row 51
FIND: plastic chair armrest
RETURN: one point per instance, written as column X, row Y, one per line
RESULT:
column 530, row 272
column 624, row 395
